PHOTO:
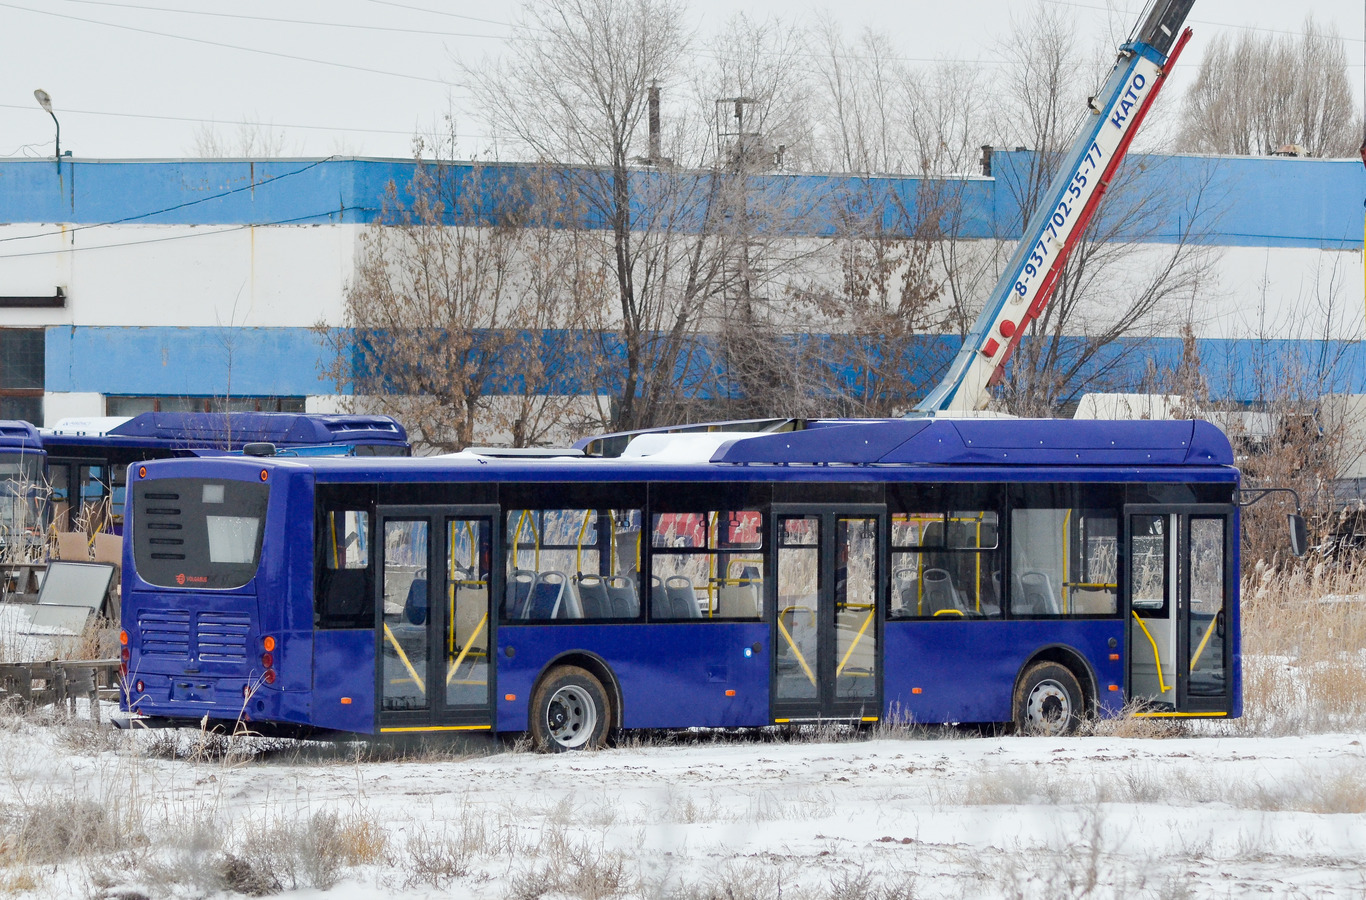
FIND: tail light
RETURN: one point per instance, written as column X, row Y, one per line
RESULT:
column 268, row 659
column 270, row 676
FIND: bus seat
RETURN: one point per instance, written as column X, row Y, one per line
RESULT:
column 593, row 598
column 1036, row 595
column 738, row 601
column 622, row 592
column 659, row 601
column 546, row 596
column 939, row 593
column 570, row 605
column 415, row 607
column 904, row 583
column 519, row 591
column 682, row 598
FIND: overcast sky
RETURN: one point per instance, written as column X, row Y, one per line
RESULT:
column 359, row 77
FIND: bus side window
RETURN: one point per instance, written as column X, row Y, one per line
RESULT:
column 946, row 565
column 345, row 596
column 1064, row 562
column 707, row 565
column 572, row 564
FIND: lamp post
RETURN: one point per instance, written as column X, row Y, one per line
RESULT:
column 46, row 103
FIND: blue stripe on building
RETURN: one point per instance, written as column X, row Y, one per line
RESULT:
column 1238, row 201
column 287, row 362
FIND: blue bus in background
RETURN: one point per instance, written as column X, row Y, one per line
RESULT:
column 88, row 458
column 911, row 570
column 21, row 486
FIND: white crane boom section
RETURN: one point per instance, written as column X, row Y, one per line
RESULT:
column 1064, row 210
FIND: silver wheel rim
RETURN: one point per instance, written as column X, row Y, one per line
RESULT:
column 571, row 716
column 1049, row 708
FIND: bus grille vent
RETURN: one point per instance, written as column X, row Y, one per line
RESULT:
column 165, row 632
column 223, row 636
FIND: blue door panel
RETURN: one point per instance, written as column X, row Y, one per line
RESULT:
column 966, row 669
column 671, row 676
column 344, row 667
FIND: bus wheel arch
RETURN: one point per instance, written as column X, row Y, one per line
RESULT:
column 1056, row 679
column 598, row 670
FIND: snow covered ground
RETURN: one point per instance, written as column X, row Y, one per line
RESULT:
column 892, row 817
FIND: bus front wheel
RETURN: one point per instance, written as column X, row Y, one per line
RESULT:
column 1048, row 700
column 569, row 711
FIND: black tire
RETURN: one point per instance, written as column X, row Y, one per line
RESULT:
column 569, row 711
column 1048, row 700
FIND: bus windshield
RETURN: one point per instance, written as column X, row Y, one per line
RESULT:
column 203, row 533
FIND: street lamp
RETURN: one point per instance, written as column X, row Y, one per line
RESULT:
column 46, row 103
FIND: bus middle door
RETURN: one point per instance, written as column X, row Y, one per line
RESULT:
column 433, row 633
column 826, row 628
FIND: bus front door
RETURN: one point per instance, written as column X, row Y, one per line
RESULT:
column 433, row 632
column 1178, row 584
column 826, row 628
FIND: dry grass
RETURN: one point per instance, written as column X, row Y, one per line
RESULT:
column 1304, row 650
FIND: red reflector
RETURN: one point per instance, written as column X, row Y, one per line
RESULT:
column 917, row 691
column 267, row 659
column 270, row 676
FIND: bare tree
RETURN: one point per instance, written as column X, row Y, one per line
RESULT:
column 1258, row 93
column 248, row 140
column 457, row 288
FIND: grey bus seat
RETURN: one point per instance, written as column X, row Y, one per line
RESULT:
column 621, row 591
column 1036, row 596
column 742, row 598
column 519, row 592
column 939, row 593
column 682, row 598
column 659, row 601
column 593, row 598
column 570, row 605
column 905, row 582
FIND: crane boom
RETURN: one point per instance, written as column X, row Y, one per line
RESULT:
column 1064, row 210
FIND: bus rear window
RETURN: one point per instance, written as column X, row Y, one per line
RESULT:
column 197, row 532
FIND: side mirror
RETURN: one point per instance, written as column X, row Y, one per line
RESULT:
column 1299, row 534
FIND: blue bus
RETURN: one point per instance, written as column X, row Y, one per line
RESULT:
column 88, row 458
column 913, row 570
column 21, row 481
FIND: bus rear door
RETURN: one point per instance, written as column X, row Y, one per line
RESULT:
column 433, row 628
column 1178, row 587
column 824, row 612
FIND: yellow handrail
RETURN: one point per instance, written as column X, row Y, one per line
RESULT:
column 403, row 657
column 854, row 643
column 793, row 644
column 1157, row 657
column 464, row 651
column 1203, row 641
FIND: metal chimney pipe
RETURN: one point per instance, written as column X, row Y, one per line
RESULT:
column 656, row 153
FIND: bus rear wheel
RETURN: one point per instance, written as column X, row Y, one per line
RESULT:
column 1048, row 700
column 569, row 711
